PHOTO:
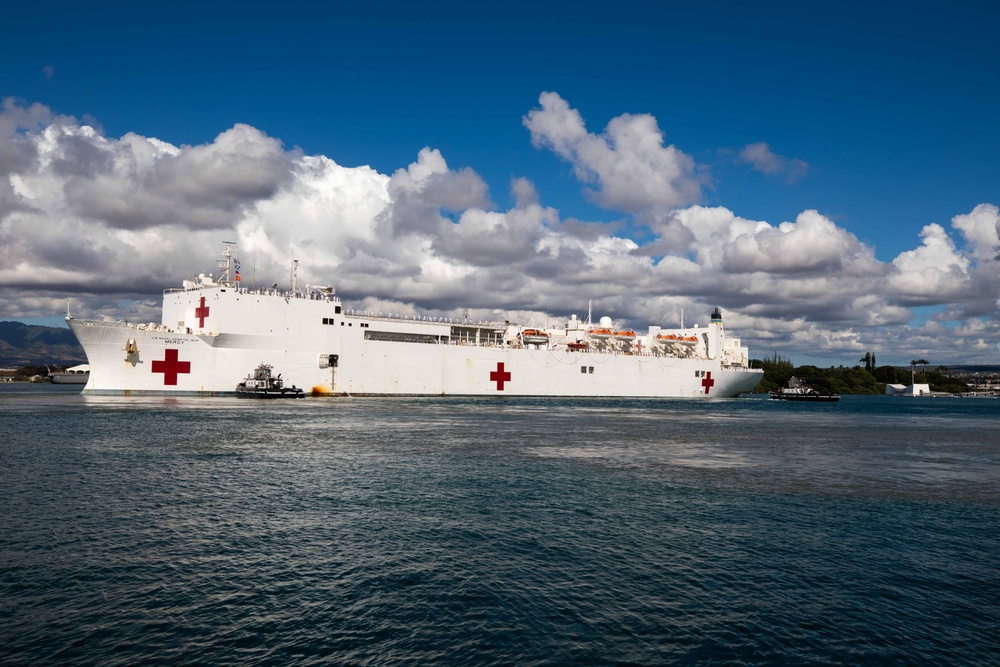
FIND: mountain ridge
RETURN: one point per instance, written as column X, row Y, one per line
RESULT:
column 36, row 345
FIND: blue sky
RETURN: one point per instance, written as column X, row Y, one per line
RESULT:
column 881, row 118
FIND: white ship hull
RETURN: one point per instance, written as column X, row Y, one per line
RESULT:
column 213, row 333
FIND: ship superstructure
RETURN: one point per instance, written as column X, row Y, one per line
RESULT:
column 213, row 329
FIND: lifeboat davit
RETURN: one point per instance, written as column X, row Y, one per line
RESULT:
column 534, row 337
column 671, row 339
column 600, row 334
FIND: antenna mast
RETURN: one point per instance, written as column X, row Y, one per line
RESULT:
column 226, row 262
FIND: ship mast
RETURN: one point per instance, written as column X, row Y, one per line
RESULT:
column 226, row 263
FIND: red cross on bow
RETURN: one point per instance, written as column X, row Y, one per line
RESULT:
column 201, row 312
column 170, row 366
column 499, row 376
column 708, row 382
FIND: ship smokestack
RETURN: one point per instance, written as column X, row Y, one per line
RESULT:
column 715, row 337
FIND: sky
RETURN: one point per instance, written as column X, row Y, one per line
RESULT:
column 827, row 174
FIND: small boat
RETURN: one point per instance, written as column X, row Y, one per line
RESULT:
column 534, row 337
column 600, row 334
column 799, row 391
column 626, row 336
column 261, row 383
column 576, row 346
column 74, row 375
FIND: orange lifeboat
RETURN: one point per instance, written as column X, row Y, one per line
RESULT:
column 576, row 346
column 626, row 335
column 677, row 343
column 673, row 339
column 534, row 337
column 600, row 334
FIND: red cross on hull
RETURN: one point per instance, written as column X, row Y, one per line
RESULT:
column 708, row 382
column 170, row 366
column 201, row 312
column 500, row 376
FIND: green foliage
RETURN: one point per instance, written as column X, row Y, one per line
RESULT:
column 892, row 375
column 777, row 371
column 856, row 380
column 938, row 381
column 771, row 362
column 839, row 380
column 869, row 361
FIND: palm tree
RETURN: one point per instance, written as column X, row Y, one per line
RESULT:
column 913, row 368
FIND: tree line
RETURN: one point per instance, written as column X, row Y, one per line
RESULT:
column 867, row 379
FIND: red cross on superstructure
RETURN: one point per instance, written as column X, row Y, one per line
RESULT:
column 708, row 382
column 170, row 366
column 201, row 312
column 500, row 376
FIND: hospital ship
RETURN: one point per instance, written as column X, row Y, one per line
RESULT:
column 214, row 331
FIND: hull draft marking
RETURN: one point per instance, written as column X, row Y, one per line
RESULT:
column 708, row 382
column 500, row 376
column 170, row 366
column 201, row 312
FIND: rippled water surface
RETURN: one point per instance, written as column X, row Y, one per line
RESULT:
column 416, row 531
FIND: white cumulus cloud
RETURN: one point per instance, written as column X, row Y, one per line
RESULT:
column 932, row 272
column 633, row 170
column 109, row 222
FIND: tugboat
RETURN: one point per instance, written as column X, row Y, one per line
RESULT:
column 262, row 384
column 799, row 391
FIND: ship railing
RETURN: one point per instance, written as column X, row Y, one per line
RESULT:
column 150, row 326
column 422, row 319
column 608, row 352
column 261, row 291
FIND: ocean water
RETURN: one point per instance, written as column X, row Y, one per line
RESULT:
column 510, row 532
